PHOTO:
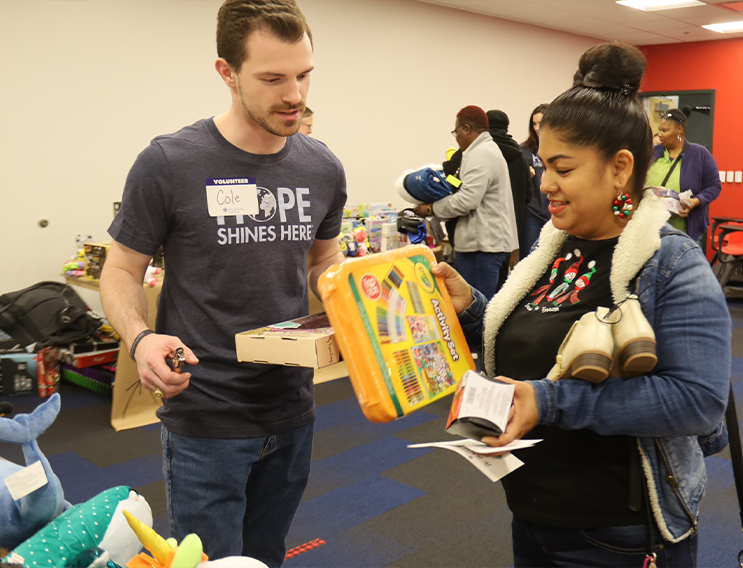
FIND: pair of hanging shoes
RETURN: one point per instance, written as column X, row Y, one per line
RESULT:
column 607, row 343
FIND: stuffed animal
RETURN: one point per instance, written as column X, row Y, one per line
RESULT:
column 38, row 525
column 188, row 554
column 21, row 516
column 98, row 523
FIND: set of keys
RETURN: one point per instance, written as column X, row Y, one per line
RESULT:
column 178, row 360
column 176, row 363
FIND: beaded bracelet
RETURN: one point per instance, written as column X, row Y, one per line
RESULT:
column 136, row 341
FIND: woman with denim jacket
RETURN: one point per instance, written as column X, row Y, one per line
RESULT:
column 619, row 474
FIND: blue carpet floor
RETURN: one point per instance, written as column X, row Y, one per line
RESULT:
column 374, row 501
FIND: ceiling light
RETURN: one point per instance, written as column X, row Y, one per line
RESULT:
column 726, row 28
column 653, row 5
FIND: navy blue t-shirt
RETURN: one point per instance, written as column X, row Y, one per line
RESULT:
column 228, row 274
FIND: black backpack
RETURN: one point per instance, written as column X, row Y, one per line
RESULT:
column 47, row 313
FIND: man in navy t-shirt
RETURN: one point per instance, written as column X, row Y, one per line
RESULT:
column 245, row 211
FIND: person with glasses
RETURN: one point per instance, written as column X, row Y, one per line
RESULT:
column 681, row 165
column 486, row 226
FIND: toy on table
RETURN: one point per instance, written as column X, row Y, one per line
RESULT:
column 362, row 241
column 348, row 244
column 343, row 244
column 396, row 329
column 95, row 258
column 75, row 268
column 151, row 274
column 76, row 264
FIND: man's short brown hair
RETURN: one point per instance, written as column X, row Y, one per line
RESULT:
column 237, row 19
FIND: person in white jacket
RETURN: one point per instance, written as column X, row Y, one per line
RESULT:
column 486, row 228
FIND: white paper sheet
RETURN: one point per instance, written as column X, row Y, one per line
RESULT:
column 495, row 467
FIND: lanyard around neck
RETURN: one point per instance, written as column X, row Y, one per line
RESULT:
column 676, row 160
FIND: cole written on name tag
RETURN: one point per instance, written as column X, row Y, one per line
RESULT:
column 228, row 197
column 26, row 481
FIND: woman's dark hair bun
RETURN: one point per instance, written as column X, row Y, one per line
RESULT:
column 686, row 110
column 613, row 65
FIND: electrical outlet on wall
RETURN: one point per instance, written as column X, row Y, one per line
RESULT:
column 738, row 177
column 722, row 176
column 731, row 176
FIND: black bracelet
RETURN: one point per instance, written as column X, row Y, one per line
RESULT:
column 136, row 341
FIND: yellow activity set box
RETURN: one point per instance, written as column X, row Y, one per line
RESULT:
column 396, row 329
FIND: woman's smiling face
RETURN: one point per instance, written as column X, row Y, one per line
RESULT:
column 581, row 186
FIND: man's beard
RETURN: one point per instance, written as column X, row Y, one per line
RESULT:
column 279, row 127
column 273, row 124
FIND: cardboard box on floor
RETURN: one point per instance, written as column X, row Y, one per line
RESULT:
column 133, row 405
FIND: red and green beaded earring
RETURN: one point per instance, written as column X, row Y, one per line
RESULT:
column 623, row 206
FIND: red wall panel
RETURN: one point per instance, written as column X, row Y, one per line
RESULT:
column 714, row 65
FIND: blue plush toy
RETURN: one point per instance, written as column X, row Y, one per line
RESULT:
column 23, row 517
column 40, row 527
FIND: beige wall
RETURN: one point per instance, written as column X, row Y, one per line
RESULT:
column 86, row 84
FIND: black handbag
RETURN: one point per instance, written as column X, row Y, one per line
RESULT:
column 47, row 313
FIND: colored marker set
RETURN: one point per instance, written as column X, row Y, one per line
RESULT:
column 396, row 329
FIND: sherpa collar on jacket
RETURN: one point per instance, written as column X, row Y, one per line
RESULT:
column 637, row 244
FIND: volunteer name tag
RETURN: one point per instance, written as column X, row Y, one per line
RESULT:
column 232, row 196
column 26, row 481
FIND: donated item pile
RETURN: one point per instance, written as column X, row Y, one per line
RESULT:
column 87, row 262
column 49, row 333
column 370, row 228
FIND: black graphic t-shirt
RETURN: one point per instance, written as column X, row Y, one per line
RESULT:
column 574, row 478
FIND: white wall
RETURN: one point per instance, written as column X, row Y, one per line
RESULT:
column 86, row 85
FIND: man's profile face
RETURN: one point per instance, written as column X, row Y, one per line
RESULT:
column 462, row 134
column 306, row 125
column 273, row 81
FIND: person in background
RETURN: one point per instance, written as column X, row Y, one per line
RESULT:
column 618, row 475
column 656, row 139
column 237, row 437
column 486, row 226
column 308, row 119
column 518, row 168
column 697, row 172
column 537, row 213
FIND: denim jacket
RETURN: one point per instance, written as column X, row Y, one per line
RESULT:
column 677, row 409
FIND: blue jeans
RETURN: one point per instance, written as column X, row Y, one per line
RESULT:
column 537, row 545
column 481, row 270
column 530, row 230
column 238, row 495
